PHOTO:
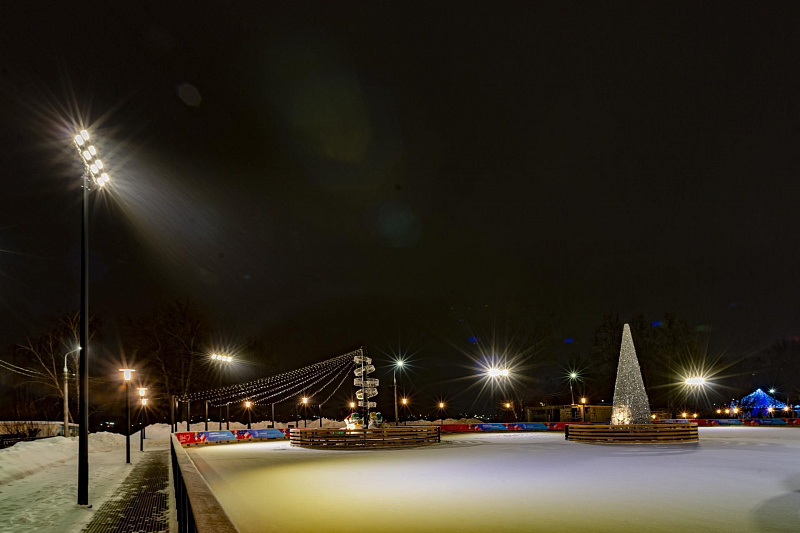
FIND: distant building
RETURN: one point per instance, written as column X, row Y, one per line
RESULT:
column 568, row 413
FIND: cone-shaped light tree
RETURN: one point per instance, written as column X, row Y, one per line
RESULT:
column 631, row 405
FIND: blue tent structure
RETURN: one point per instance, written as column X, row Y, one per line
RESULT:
column 758, row 401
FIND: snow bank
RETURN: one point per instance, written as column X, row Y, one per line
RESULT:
column 26, row 458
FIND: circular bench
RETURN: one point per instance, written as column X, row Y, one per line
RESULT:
column 633, row 433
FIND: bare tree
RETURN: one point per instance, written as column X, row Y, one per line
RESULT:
column 172, row 341
column 45, row 358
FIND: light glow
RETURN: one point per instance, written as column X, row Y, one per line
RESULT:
column 696, row 381
column 305, row 400
column 92, row 150
column 79, row 140
column 94, row 169
column 99, row 163
column 86, row 155
column 583, row 400
column 247, row 404
column 141, row 391
column 399, row 363
column 85, row 135
column 405, row 401
column 441, row 405
column 126, row 373
column 144, row 401
column 573, row 375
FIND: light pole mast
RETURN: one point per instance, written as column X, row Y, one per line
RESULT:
column 397, row 364
column 92, row 173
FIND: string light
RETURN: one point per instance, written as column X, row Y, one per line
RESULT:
column 281, row 387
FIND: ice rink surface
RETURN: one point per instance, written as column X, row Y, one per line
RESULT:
column 743, row 479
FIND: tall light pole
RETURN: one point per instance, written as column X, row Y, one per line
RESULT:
column 93, row 173
column 441, row 412
column 397, row 364
column 222, row 360
column 405, row 403
column 126, row 375
column 248, row 404
column 305, row 416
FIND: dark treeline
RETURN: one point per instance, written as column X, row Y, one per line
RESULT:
column 447, row 349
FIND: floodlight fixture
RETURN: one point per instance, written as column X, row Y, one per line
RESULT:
column 697, row 380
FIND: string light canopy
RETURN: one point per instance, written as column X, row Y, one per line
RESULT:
column 309, row 382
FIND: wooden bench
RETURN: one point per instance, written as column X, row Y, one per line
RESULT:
column 335, row 438
column 633, row 433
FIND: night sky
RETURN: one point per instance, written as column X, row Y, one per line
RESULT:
column 334, row 174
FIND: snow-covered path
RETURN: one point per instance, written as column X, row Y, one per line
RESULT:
column 38, row 480
column 735, row 480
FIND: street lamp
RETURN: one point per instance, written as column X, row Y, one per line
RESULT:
column 141, row 391
column 305, row 417
column 572, row 377
column 405, row 403
column 247, row 404
column 494, row 373
column 441, row 411
column 93, row 174
column 583, row 409
column 397, row 364
column 126, row 375
column 222, row 360
column 66, row 392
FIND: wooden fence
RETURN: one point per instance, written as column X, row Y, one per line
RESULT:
column 364, row 438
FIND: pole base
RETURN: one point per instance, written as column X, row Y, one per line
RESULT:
column 87, row 506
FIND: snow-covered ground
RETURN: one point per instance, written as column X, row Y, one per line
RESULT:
column 742, row 479
column 38, row 479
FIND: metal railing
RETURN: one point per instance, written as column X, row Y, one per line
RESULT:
column 197, row 509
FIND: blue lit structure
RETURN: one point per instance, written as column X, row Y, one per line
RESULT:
column 758, row 402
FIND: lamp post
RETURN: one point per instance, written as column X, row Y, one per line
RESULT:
column 141, row 431
column 141, row 391
column 494, row 374
column 126, row 374
column 441, row 412
column 305, row 417
column 66, row 392
column 397, row 364
column 572, row 377
column 222, row 360
column 405, row 403
column 93, row 173
column 583, row 409
column 247, row 405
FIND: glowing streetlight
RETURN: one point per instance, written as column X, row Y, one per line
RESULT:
column 572, row 377
column 683, row 415
column 141, row 391
column 223, row 359
column 247, row 405
column 653, row 417
column 352, row 405
column 694, row 415
column 697, row 380
column 772, row 391
column 126, row 375
column 405, row 401
column 397, row 364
